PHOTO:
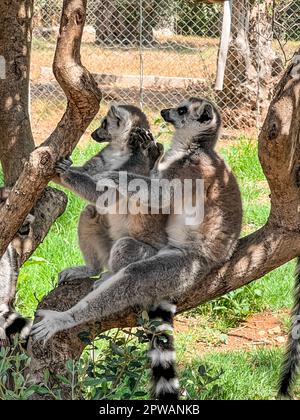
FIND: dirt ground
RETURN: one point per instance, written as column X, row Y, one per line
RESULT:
column 264, row 330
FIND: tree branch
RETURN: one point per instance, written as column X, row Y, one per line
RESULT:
column 50, row 206
column 257, row 254
column 83, row 104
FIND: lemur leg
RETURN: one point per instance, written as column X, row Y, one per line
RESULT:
column 124, row 252
column 94, row 243
column 127, row 251
column 141, row 284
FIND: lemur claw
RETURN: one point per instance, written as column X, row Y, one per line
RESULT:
column 63, row 165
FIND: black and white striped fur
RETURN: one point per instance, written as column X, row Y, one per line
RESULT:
column 11, row 322
column 164, row 381
column 291, row 362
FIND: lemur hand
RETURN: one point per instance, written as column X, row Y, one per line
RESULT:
column 140, row 137
column 63, row 166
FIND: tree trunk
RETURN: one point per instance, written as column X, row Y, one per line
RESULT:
column 252, row 65
column 257, row 254
column 83, row 104
column 16, row 141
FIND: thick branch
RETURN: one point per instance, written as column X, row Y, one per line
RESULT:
column 83, row 103
column 50, row 206
column 257, row 254
column 16, row 141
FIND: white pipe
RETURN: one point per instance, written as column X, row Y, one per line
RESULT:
column 224, row 44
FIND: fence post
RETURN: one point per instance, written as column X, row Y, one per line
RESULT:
column 224, row 44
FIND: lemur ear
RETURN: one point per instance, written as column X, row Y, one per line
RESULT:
column 117, row 112
column 206, row 113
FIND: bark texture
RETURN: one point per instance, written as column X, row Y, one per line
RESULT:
column 257, row 254
column 16, row 141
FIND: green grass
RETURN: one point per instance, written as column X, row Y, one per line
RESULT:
column 243, row 375
column 247, row 375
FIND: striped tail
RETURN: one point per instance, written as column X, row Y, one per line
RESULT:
column 164, row 384
column 291, row 360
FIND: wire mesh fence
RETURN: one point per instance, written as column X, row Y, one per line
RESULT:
column 154, row 53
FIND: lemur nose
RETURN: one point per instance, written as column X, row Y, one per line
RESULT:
column 165, row 113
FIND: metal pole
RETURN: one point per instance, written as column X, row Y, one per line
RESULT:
column 224, row 44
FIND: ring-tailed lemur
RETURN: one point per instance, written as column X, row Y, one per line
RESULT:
column 11, row 322
column 130, row 148
column 291, row 361
column 192, row 251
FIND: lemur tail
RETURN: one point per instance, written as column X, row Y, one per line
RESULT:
column 291, row 360
column 164, row 384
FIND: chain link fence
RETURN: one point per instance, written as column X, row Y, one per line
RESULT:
column 154, row 53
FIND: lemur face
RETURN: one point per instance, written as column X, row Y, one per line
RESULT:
column 101, row 134
column 195, row 114
column 115, row 126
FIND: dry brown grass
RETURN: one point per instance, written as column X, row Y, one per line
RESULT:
column 178, row 62
column 45, row 116
column 190, row 57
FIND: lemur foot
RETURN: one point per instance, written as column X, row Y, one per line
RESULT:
column 76, row 273
column 104, row 277
column 51, row 323
column 90, row 212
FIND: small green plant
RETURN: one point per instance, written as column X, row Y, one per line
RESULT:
column 114, row 368
column 15, row 383
column 202, row 381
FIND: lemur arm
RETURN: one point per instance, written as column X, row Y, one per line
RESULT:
column 93, row 166
column 81, row 184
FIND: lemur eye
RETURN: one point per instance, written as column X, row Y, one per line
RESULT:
column 182, row 110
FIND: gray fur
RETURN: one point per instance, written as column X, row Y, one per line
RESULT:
column 186, row 259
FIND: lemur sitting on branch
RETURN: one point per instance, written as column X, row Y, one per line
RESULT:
column 192, row 250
